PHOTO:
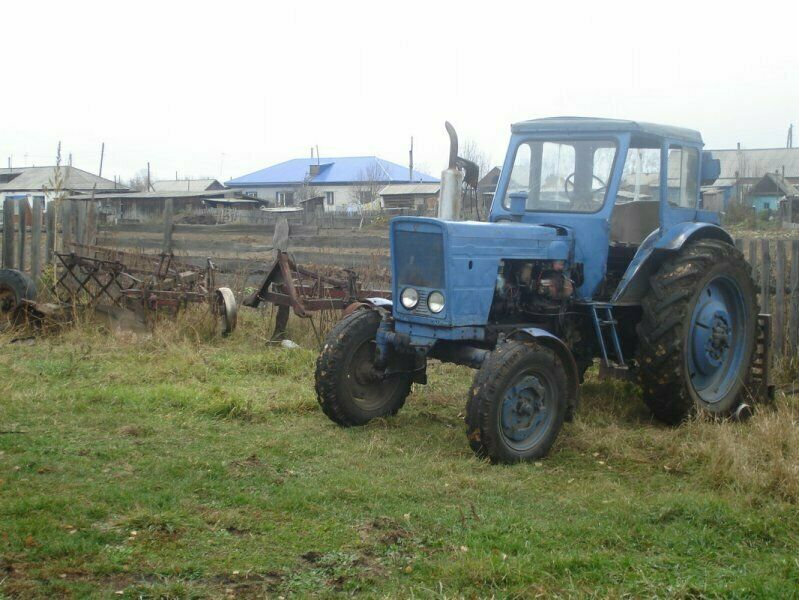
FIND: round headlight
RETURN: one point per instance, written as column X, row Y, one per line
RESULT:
column 435, row 302
column 409, row 298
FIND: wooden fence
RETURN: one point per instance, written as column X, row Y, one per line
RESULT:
column 33, row 233
column 775, row 268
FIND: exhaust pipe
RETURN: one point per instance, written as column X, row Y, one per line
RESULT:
column 449, row 198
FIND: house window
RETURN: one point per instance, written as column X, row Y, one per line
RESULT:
column 329, row 198
column 251, row 193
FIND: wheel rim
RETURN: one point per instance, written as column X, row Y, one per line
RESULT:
column 528, row 411
column 366, row 385
column 717, row 339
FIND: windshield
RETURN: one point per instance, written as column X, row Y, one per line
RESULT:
column 561, row 176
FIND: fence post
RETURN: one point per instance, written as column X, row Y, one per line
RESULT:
column 36, row 238
column 753, row 258
column 779, row 300
column 49, row 240
column 793, row 317
column 169, row 211
column 8, row 234
column 765, row 277
column 21, row 214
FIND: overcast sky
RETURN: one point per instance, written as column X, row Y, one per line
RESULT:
column 225, row 88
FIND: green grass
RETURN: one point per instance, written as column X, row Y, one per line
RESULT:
column 170, row 466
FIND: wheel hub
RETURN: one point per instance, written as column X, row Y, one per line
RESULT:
column 523, row 408
column 716, row 341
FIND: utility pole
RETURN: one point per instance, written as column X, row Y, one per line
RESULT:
column 70, row 159
column 790, row 136
column 102, row 153
column 410, row 162
column 148, row 176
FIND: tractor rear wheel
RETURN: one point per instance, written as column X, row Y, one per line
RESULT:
column 696, row 339
column 517, row 403
column 349, row 388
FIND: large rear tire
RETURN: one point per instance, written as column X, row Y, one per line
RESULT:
column 696, row 339
column 517, row 403
column 349, row 389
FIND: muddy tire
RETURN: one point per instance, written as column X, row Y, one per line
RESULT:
column 15, row 287
column 696, row 338
column 348, row 388
column 517, row 403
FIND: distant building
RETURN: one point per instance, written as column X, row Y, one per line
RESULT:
column 741, row 168
column 40, row 182
column 419, row 196
column 766, row 194
column 186, row 185
column 345, row 182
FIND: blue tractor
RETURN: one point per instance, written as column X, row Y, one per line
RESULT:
column 596, row 247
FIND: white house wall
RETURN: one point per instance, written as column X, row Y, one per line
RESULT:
column 343, row 195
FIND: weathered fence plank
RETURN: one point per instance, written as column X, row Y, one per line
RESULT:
column 21, row 214
column 765, row 277
column 779, row 300
column 66, row 225
column 8, row 234
column 50, row 225
column 753, row 258
column 36, row 238
column 793, row 316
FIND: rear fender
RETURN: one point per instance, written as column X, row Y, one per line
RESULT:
column 654, row 250
column 562, row 351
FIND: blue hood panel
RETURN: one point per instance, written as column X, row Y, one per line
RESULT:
column 471, row 253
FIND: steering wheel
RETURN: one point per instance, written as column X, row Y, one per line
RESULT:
column 569, row 181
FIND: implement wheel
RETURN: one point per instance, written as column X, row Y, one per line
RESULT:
column 517, row 403
column 15, row 287
column 697, row 334
column 349, row 388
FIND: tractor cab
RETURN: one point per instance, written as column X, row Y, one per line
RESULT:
column 614, row 183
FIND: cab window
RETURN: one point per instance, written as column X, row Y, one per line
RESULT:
column 683, row 176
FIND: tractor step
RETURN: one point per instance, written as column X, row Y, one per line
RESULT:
column 604, row 321
column 761, row 387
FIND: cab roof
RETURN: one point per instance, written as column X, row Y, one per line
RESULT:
column 593, row 124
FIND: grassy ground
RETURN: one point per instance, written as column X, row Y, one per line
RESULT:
column 171, row 466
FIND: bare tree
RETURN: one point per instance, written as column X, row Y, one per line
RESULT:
column 139, row 181
column 370, row 182
column 471, row 151
column 306, row 191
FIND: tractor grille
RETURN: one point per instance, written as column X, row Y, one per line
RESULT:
column 422, row 308
column 419, row 259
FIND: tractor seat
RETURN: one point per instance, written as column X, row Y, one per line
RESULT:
column 631, row 222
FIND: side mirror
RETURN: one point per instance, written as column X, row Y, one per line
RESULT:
column 517, row 202
column 711, row 169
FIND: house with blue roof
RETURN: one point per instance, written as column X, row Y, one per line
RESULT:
column 344, row 182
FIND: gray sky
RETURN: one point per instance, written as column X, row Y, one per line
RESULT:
column 226, row 88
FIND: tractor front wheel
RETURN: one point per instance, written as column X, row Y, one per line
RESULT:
column 696, row 338
column 517, row 403
column 350, row 390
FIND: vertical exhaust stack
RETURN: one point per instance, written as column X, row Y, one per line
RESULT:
column 449, row 201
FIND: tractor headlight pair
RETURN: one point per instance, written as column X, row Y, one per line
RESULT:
column 410, row 299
